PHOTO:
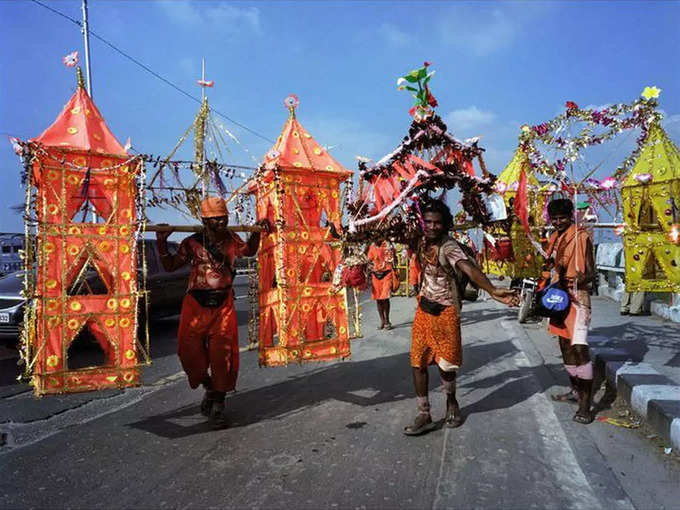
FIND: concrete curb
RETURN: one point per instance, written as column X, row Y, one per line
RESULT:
column 652, row 395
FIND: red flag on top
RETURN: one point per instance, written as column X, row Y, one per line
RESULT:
column 205, row 83
column 521, row 204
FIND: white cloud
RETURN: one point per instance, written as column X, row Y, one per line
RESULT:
column 468, row 120
column 229, row 19
column 394, row 36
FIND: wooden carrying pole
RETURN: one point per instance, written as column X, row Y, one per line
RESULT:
column 199, row 228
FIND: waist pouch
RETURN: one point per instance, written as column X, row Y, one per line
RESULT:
column 430, row 307
column 553, row 302
column 210, row 298
column 381, row 274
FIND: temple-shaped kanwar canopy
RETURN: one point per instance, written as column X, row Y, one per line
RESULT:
column 521, row 261
column 650, row 193
column 298, row 190
column 76, row 161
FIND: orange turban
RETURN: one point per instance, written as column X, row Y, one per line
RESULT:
column 213, row 207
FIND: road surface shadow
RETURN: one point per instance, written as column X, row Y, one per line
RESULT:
column 365, row 383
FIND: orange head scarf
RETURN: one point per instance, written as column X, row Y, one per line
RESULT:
column 213, row 207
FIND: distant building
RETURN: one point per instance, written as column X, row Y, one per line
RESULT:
column 10, row 245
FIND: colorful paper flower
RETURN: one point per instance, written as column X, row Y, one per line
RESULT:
column 71, row 60
column 291, row 101
column 651, row 93
column 571, row 105
column 608, row 183
column 643, row 178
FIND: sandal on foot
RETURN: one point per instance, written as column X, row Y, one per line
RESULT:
column 422, row 424
column 217, row 418
column 388, row 326
column 207, row 403
column 583, row 419
column 382, row 325
column 569, row 396
column 453, row 421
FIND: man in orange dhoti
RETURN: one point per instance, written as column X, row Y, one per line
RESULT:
column 381, row 257
column 570, row 252
column 435, row 336
column 207, row 339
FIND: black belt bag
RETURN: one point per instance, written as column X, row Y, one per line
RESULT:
column 381, row 274
column 210, row 298
column 431, row 307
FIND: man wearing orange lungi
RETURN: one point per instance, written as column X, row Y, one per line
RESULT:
column 381, row 257
column 570, row 252
column 207, row 339
column 435, row 336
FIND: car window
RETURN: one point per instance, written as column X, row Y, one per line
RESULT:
column 6, row 249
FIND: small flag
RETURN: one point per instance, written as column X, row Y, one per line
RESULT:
column 71, row 59
column 205, row 83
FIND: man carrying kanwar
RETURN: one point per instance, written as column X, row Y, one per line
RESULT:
column 207, row 339
column 436, row 337
column 570, row 253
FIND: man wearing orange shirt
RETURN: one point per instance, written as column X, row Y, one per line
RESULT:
column 207, row 339
column 381, row 257
column 570, row 251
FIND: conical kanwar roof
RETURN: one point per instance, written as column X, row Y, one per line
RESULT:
column 511, row 173
column 659, row 158
column 80, row 126
column 296, row 149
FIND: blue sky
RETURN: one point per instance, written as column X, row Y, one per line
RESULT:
column 499, row 65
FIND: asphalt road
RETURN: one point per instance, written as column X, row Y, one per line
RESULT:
column 329, row 435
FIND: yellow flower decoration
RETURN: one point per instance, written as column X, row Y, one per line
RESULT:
column 108, row 183
column 290, row 273
column 73, row 250
column 317, row 150
column 129, row 354
column 52, row 304
column 52, row 175
column 75, row 306
column 124, row 322
column 52, row 361
column 334, row 194
column 104, row 246
column 342, row 330
column 112, row 304
column 124, row 230
column 128, row 376
column 74, row 231
column 75, row 110
column 51, row 283
column 296, row 134
column 49, row 247
column 333, row 350
column 52, row 209
column 125, row 276
column 305, row 235
column 306, row 307
column 307, row 291
column 302, row 250
column 651, row 93
column 110, row 323
column 72, row 130
column 80, row 161
column 525, row 128
column 54, row 230
column 308, row 354
column 53, row 322
column 124, row 248
column 291, row 235
column 296, row 151
column 307, row 135
column 127, row 213
column 72, row 179
column 125, row 303
column 73, row 324
column 329, row 168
